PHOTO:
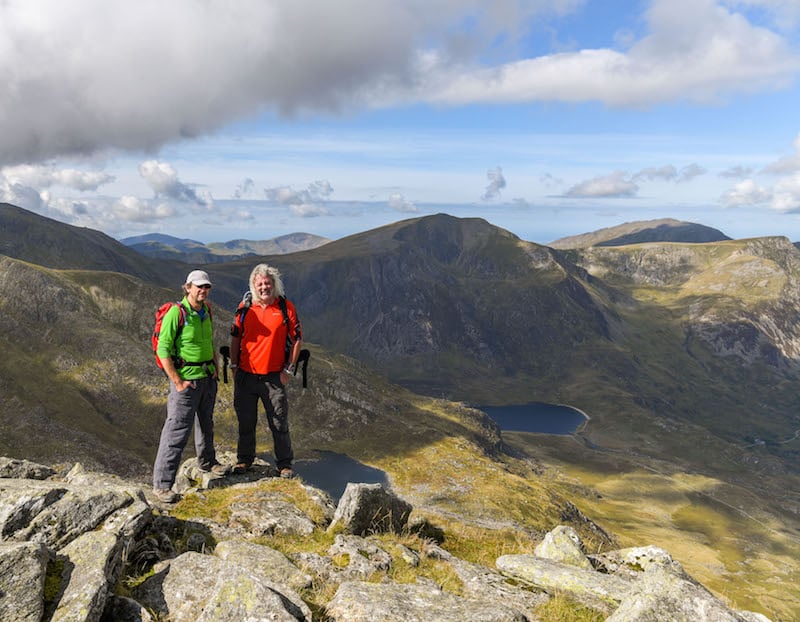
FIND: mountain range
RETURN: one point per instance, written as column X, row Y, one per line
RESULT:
column 682, row 350
column 160, row 246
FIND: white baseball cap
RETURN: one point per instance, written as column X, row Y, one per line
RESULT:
column 198, row 277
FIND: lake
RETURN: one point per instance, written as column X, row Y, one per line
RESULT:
column 536, row 417
column 332, row 471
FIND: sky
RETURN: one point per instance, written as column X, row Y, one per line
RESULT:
column 216, row 120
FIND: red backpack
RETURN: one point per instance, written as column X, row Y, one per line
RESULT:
column 162, row 311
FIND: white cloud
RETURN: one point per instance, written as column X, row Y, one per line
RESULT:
column 79, row 77
column 615, row 185
column 285, row 195
column 695, row 51
column 308, row 210
column 399, row 203
column 244, row 189
column 308, row 203
column 94, row 74
column 785, row 14
column 690, row 172
column 134, row 209
column 786, row 195
column 737, row 172
column 665, row 173
column 163, row 179
column 21, row 196
column 496, row 183
column 746, row 193
column 787, row 164
column 44, row 176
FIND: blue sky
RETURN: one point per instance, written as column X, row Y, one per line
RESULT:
column 216, row 120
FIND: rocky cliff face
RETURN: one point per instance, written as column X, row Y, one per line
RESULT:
column 88, row 547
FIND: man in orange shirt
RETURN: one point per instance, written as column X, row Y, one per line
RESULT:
column 265, row 345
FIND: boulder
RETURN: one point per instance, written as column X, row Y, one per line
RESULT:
column 267, row 563
column 563, row 544
column 23, row 566
column 363, row 556
column 664, row 593
column 594, row 589
column 23, row 469
column 266, row 513
column 91, row 565
column 357, row 601
column 369, row 508
column 201, row 588
column 631, row 562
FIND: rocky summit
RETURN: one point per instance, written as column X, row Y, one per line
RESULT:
column 81, row 546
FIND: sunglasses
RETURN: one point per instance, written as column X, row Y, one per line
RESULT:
column 203, row 286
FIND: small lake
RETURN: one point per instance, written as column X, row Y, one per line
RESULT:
column 536, row 417
column 331, row 472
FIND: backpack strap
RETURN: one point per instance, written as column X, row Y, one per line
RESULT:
column 241, row 310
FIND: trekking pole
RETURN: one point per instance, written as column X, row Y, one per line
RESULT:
column 225, row 351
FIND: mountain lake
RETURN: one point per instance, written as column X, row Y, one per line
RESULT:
column 536, row 417
column 332, row 471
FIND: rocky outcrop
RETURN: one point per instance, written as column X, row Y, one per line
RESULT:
column 87, row 547
column 632, row 585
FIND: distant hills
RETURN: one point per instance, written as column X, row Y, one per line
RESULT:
column 684, row 353
column 663, row 230
column 42, row 241
column 188, row 251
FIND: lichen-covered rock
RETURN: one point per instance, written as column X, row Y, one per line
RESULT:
column 563, row 544
column 266, row 513
column 91, row 565
column 358, row 601
column 203, row 588
column 364, row 557
column 661, row 593
column 599, row 591
column 76, row 510
column 22, row 572
column 23, row 469
column 631, row 562
column 369, row 508
column 21, row 501
column 489, row 585
column 271, row 565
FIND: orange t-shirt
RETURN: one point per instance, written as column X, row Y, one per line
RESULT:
column 263, row 337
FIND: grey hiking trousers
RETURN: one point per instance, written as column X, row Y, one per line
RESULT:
column 192, row 407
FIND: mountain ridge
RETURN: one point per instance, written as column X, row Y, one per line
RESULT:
column 160, row 246
column 638, row 232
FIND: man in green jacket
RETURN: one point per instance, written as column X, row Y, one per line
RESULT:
column 191, row 366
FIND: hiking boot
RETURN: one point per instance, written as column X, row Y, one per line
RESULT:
column 166, row 495
column 287, row 473
column 216, row 469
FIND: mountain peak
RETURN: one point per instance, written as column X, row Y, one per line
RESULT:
column 638, row 232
